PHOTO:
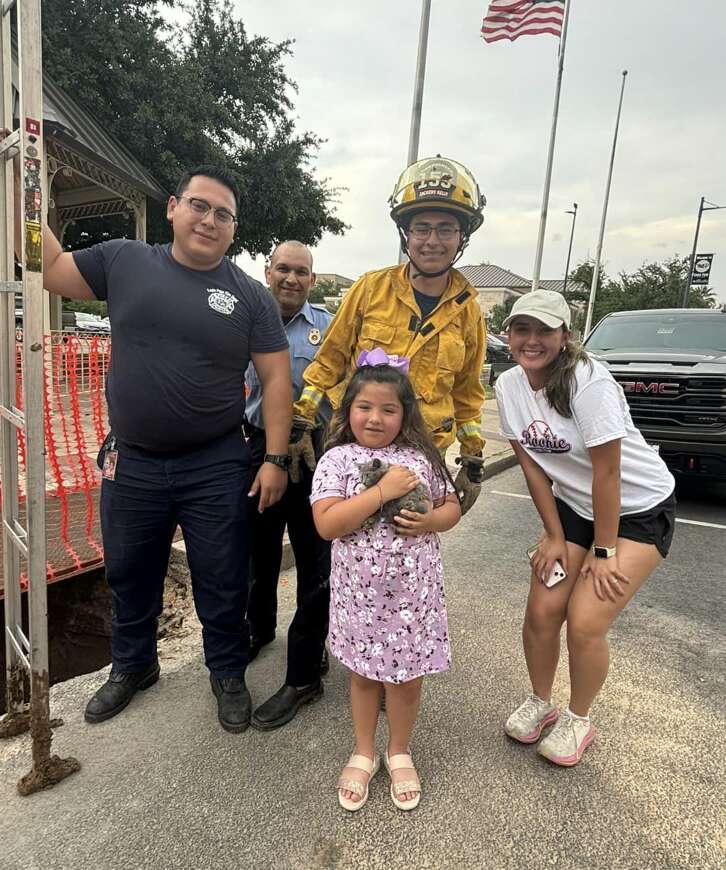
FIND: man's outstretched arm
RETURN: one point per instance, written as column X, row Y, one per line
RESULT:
column 60, row 273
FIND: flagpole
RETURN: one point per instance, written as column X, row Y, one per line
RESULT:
column 413, row 139
column 596, row 270
column 550, row 156
column 423, row 40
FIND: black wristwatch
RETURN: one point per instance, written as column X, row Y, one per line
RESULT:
column 281, row 460
column 604, row 552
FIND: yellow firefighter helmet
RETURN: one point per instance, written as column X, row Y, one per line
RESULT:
column 441, row 184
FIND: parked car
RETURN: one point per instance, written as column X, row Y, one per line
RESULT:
column 671, row 364
column 80, row 321
column 499, row 357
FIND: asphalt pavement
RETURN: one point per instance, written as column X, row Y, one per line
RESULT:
column 162, row 786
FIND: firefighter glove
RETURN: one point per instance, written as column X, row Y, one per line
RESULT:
column 468, row 480
column 301, row 448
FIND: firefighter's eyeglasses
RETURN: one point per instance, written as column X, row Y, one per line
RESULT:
column 445, row 232
column 201, row 208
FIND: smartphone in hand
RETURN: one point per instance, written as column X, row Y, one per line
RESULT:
column 558, row 572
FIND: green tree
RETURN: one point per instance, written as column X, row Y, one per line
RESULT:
column 89, row 306
column 317, row 295
column 660, row 285
column 606, row 300
column 498, row 313
column 652, row 285
column 324, row 287
column 198, row 91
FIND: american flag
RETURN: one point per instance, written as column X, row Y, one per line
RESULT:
column 510, row 19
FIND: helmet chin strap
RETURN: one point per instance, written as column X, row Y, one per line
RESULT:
column 422, row 272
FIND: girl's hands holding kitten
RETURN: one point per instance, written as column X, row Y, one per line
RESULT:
column 414, row 523
column 396, row 482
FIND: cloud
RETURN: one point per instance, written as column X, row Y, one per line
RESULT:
column 489, row 106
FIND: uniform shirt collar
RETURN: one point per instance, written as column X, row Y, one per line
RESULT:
column 306, row 312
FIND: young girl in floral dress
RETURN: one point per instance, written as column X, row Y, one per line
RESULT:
column 387, row 609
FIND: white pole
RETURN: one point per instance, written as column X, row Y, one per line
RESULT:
column 423, row 40
column 550, row 156
column 596, row 271
column 414, row 135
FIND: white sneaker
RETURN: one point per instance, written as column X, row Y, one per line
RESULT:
column 528, row 720
column 567, row 741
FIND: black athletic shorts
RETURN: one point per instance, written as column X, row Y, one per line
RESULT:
column 654, row 526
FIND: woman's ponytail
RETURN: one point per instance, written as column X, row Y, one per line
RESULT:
column 561, row 377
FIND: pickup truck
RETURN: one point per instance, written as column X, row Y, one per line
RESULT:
column 671, row 364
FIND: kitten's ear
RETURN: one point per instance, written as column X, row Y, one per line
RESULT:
column 376, row 463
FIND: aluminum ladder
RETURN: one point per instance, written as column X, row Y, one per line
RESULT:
column 22, row 149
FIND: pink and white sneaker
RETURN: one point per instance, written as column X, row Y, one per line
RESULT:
column 530, row 719
column 567, row 741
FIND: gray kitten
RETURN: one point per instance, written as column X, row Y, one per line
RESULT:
column 370, row 473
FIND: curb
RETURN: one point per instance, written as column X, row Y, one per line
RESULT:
column 499, row 465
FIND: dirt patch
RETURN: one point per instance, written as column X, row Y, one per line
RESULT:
column 79, row 621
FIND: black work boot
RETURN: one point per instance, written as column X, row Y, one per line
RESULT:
column 117, row 691
column 324, row 663
column 282, row 707
column 234, row 704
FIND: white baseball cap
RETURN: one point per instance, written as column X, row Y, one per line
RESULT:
column 549, row 306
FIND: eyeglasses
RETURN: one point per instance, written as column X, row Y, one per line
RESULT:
column 202, row 208
column 445, row 232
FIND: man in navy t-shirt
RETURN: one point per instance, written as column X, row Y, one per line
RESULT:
column 185, row 322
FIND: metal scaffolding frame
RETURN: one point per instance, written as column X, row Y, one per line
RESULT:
column 27, row 652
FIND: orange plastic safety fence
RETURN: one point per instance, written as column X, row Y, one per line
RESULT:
column 75, row 425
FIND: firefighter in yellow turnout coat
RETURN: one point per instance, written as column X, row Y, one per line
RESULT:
column 424, row 310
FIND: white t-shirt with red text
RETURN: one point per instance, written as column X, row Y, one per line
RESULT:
column 560, row 445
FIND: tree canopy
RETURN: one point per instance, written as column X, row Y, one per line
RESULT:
column 191, row 89
column 652, row 285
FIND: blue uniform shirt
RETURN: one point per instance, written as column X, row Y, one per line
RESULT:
column 304, row 334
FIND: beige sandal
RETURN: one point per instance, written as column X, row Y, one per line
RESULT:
column 403, row 762
column 359, row 762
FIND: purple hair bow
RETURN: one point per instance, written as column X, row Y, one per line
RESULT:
column 378, row 357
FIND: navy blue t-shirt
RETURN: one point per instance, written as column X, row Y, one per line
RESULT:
column 181, row 342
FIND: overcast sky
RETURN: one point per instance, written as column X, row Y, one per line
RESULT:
column 490, row 107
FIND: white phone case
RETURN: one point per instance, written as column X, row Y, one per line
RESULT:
column 558, row 572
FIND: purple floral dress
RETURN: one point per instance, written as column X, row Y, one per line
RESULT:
column 387, row 605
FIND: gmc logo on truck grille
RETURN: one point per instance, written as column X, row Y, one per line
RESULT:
column 654, row 388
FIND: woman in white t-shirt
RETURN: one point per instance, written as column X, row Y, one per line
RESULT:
column 607, row 506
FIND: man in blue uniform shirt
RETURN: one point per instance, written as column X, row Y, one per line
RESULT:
column 185, row 322
column 290, row 278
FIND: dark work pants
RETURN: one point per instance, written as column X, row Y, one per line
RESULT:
column 309, row 627
column 204, row 491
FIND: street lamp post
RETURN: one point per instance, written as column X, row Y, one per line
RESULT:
column 573, row 212
column 704, row 206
